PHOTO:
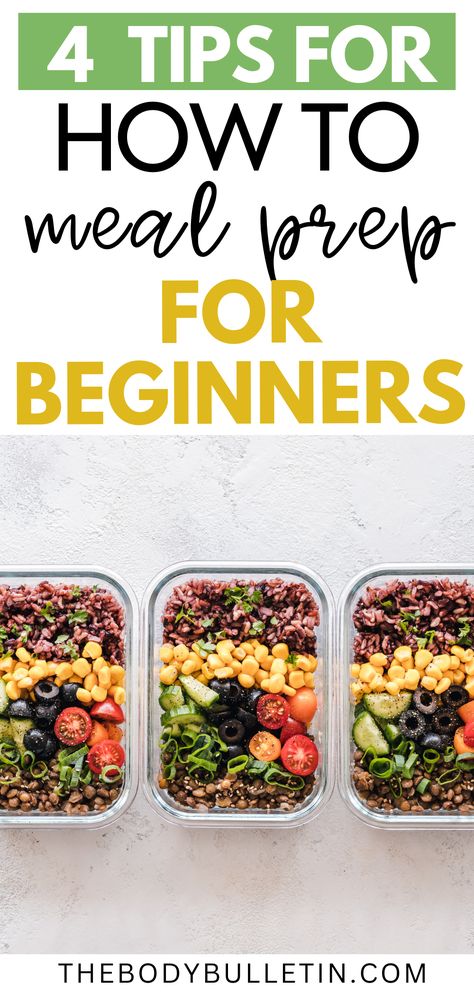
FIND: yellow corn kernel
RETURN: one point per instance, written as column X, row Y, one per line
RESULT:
column 59, row 683
column 433, row 670
column 422, row 659
column 250, row 666
column 377, row 683
column 266, row 664
column 239, row 653
column 84, row 696
column 442, row 685
column 90, row 681
column 265, row 684
column 278, row 667
column 7, row 664
column 75, row 679
column 429, row 683
column 225, row 657
column 64, row 671
column 392, row 687
column 355, row 670
column 166, row 653
column 469, row 669
column 117, row 674
column 25, row 684
column 458, row 677
column 246, row 680
column 313, row 663
column 92, row 650
column 104, row 677
column 281, row 651
column 225, row 645
column 51, row 669
column 412, row 679
column 98, row 693
column 247, row 647
column 443, row 661
column 397, row 673
column 207, row 672
column 20, row 673
column 13, row 691
column 223, row 673
column 191, row 666
column 118, row 695
column 469, row 687
column 378, row 660
column 403, row 653
column 213, row 661
column 457, row 651
column 303, row 663
column 22, row 655
column 468, row 656
column 168, row 675
column 181, row 652
column 98, row 664
column 81, row 667
column 37, row 673
column 296, row 679
column 261, row 652
column 199, row 677
column 454, row 663
column 286, row 689
column 357, row 690
column 276, row 683
column 260, row 676
column 309, row 680
column 236, row 667
column 367, row 673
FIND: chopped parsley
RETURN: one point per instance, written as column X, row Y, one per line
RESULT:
column 76, row 591
column 240, row 597
column 184, row 613
column 48, row 611
column 427, row 639
column 292, row 660
column 204, row 647
column 464, row 636
column 77, row 617
column 24, row 634
column 207, row 623
column 67, row 645
column 406, row 620
column 273, row 620
column 256, row 628
column 3, row 637
column 386, row 604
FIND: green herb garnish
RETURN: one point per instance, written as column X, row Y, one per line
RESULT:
column 48, row 611
column 204, row 647
column 75, row 591
column 76, row 617
column 25, row 633
column 207, row 623
column 464, row 637
column 406, row 618
column 186, row 613
column 273, row 620
column 292, row 659
column 256, row 628
column 241, row 598
column 427, row 639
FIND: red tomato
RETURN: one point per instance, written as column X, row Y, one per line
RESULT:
column 106, row 753
column 108, row 711
column 113, row 731
column 460, row 744
column 303, row 705
column 73, row 726
column 264, row 746
column 292, row 728
column 272, row 711
column 99, row 732
column 300, row 756
column 469, row 734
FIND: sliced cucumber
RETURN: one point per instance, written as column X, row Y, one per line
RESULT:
column 19, row 729
column 181, row 716
column 171, row 697
column 203, row 696
column 366, row 733
column 6, row 735
column 4, row 699
column 387, row 707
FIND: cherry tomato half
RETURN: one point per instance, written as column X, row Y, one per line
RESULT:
column 300, row 756
column 108, row 711
column 272, row 711
column 264, row 746
column 109, row 752
column 469, row 734
column 303, row 705
column 113, row 731
column 292, row 728
column 73, row 726
column 460, row 744
column 98, row 734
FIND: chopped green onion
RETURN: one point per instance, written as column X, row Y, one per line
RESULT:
column 393, row 735
column 399, row 760
column 169, row 772
column 449, row 777
column 396, row 786
column 72, row 754
column 9, row 754
column 465, row 761
column 39, row 770
column 110, row 774
column 423, row 785
column 369, row 755
column 382, row 767
column 236, row 764
column 449, row 754
column 11, row 769
column 282, row 778
column 27, row 760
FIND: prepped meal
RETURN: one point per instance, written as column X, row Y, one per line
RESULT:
column 237, row 676
column 62, row 691
column 413, row 692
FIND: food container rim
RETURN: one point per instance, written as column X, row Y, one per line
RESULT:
column 382, row 820
column 105, row 819
column 327, row 604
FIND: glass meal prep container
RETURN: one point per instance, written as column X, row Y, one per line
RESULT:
column 239, row 582
column 406, row 694
column 66, row 607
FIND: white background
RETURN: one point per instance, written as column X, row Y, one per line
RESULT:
column 137, row 505
column 62, row 305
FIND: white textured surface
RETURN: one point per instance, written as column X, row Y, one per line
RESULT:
column 137, row 505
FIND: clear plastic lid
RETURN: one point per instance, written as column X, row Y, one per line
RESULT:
column 33, row 575
column 378, row 576
column 154, row 602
